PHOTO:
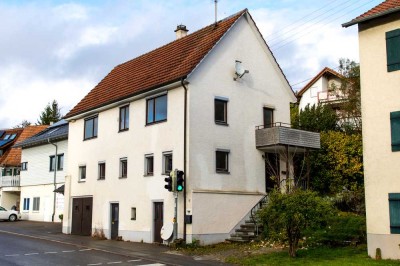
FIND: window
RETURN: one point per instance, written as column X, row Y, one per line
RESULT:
column 393, row 50
column 222, row 161
column 395, row 130
column 123, row 167
column 124, row 118
column 220, row 111
column 36, row 204
column 60, row 162
column 24, row 166
column 91, row 127
column 13, row 136
column 82, row 173
column 102, row 171
column 26, row 204
column 167, row 163
column 156, row 109
column 149, row 164
column 394, row 212
column 7, row 136
column 268, row 114
column 133, row 214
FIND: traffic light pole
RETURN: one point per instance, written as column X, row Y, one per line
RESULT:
column 176, row 216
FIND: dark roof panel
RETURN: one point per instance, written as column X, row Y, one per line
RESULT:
column 56, row 132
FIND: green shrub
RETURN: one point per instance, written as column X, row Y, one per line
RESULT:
column 343, row 229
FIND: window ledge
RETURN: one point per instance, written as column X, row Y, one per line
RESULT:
column 123, row 130
column 90, row 138
column 145, row 175
column 223, row 172
column 101, row 179
column 221, row 124
column 123, row 177
column 81, row 181
column 156, row 122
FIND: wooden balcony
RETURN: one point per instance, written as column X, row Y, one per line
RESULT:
column 281, row 135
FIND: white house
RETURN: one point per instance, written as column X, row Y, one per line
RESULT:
column 320, row 89
column 42, row 172
column 192, row 105
column 379, row 42
column 10, row 163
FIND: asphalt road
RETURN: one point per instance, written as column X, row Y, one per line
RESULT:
column 21, row 250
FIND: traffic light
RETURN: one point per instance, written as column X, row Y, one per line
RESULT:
column 169, row 183
column 179, row 181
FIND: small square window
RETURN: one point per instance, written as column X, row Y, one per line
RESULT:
column 222, row 161
column 149, row 164
column 82, row 173
column 167, row 163
column 102, row 171
column 24, row 166
column 220, row 111
column 36, row 204
column 124, row 118
column 123, row 168
column 60, row 162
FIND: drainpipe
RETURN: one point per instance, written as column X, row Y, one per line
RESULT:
column 184, row 157
column 54, row 181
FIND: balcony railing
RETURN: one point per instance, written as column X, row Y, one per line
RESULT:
column 330, row 96
column 280, row 134
column 10, row 181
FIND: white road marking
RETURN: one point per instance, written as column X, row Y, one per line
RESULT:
column 12, row 255
column 51, row 252
column 68, row 251
column 133, row 260
column 155, row 264
column 85, row 249
column 114, row 262
column 29, row 254
column 93, row 264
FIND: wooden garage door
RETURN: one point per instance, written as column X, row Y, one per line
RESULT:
column 82, row 216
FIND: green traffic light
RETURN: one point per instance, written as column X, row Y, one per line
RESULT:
column 179, row 188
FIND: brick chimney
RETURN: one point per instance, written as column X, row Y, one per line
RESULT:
column 181, row 31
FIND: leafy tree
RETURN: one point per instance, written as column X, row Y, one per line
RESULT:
column 51, row 113
column 337, row 166
column 23, row 124
column 315, row 118
column 287, row 216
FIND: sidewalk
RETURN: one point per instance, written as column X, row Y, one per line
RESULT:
column 52, row 232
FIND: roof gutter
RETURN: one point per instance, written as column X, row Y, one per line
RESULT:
column 360, row 20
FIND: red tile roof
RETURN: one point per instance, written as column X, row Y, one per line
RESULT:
column 325, row 71
column 386, row 7
column 162, row 66
column 12, row 156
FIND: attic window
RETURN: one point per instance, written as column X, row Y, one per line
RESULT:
column 13, row 136
column 7, row 136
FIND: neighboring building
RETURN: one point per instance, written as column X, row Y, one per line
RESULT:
column 379, row 41
column 323, row 88
column 188, row 105
column 10, row 163
column 43, row 171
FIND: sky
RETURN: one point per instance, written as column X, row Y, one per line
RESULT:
column 59, row 50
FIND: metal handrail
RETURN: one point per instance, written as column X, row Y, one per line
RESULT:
column 276, row 124
column 253, row 213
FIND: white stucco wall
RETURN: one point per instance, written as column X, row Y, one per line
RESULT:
column 379, row 96
column 214, row 211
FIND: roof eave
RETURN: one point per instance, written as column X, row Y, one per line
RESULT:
column 360, row 20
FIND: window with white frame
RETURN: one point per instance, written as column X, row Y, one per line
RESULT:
column 123, row 167
column 149, row 164
column 167, row 162
column 36, row 204
column 102, row 171
column 26, row 204
column 82, row 173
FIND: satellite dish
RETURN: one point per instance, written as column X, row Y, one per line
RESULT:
column 167, row 230
column 240, row 71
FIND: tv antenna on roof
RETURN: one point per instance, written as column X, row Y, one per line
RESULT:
column 216, row 5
